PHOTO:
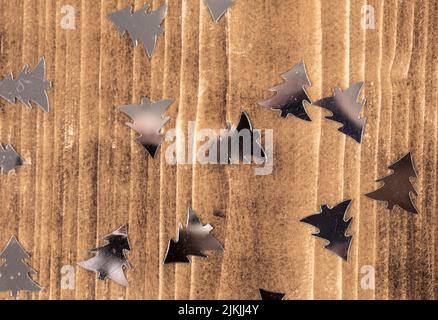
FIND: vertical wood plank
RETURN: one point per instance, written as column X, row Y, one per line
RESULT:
column 88, row 141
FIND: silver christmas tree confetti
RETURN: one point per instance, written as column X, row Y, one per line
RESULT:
column 142, row 25
column 110, row 259
column 9, row 159
column 346, row 109
column 291, row 95
column 397, row 188
column 148, row 121
column 241, row 143
column 333, row 228
column 28, row 87
column 14, row 272
column 268, row 295
column 218, row 8
column 192, row 241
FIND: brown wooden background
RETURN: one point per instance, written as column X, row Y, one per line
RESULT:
column 88, row 175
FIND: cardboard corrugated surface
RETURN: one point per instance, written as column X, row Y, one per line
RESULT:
column 87, row 175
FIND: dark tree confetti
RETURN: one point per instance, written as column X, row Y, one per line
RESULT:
column 241, row 143
column 218, row 8
column 141, row 25
column 9, row 159
column 14, row 272
column 346, row 109
column 333, row 228
column 28, row 87
column 110, row 259
column 268, row 295
column 291, row 95
column 192, row 241
column 148, row 122
column 397, row 188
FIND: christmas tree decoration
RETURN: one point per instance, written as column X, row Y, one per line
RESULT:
column 110, row 259
column 28, row 87
column 291, row 95
column 14, row 272
column 148, row 121
column 346, row 109
column 241, row 143
column 333, row 228
column 9, row 159
column 218, row 8
column 268, row 295
column 397, row 188
column 192, row 241
column 142, row 25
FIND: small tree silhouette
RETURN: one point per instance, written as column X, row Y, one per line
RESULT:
column 14, row 273
column 218, row 8
column 28, row 87
column 142, row 25
column 110, row 259
column 346, row 109
column 148, row 122
column 397, row 188
column 290, row 95
column 192, row 241
column 268, row 295
column 9, row 159
column 333, row 227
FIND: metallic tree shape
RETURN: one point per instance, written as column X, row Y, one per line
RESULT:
column 333, row 228
column 240, row 143
column 148, row 122
column 110, row 259
column 291, row 95
column 218, row 8
column 9, row 159
column 142, row 25
column 346, row 109
column 397, row 188
column 192, row 241
column 268, row 295
column 28, row 87
column 14, row 272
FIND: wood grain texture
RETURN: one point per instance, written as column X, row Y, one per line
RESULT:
column 86, row 175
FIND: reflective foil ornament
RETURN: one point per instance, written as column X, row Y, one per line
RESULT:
column 148, row 121
column 346, row 109
column 241, row 143
column 142, row 26
column 291, row 95
column 333, row 228
column 110, row 259
column 30, row 86
column 193, row 240
column 397, row 189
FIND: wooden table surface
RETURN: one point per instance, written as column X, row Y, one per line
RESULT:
column 87, row 175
